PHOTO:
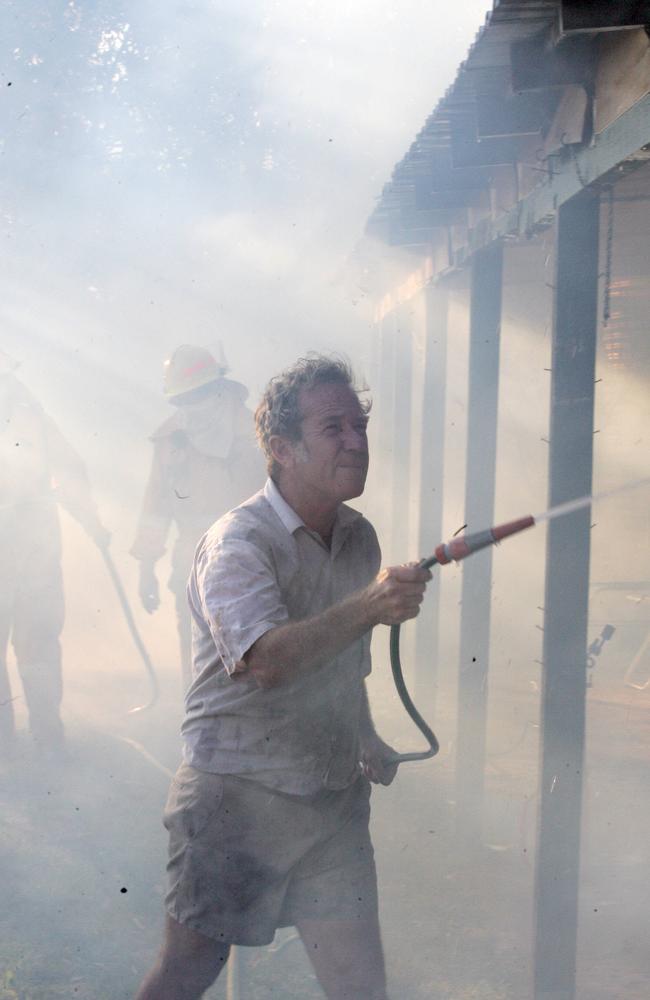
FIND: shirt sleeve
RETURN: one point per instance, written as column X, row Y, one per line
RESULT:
column 238, row 595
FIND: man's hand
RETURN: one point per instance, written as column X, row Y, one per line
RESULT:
column 148, row 588
column 396, row 593
column 376, row 759
column 286, row 650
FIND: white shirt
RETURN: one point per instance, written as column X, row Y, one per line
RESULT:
column 256, row 568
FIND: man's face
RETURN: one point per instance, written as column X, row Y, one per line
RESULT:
column 330, row 462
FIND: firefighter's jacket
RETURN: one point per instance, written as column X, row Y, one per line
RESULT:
column 38, row 470
column 188, row 487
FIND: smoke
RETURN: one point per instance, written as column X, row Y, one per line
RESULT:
column 187, row 172
column 200, row 171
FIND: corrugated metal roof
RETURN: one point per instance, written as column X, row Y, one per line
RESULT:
column 520, row 131
column 462, row 138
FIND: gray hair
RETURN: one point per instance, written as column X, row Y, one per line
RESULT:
column 279, row 413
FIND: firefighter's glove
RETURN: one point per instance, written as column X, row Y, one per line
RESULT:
column 148, row 588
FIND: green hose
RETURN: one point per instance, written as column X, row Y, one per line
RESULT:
column 398, row 677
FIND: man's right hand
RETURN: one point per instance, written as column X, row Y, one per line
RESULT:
column 148, row 588
column 396, row 593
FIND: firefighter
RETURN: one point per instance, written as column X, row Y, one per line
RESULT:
column 205, row 461
column 38, row 470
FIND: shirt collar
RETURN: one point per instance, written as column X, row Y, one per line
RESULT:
column 345, row 516
column 287, row 514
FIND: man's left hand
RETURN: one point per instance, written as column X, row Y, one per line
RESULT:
column 377, row 760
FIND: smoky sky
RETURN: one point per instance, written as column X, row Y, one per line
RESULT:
column 200, row 171
column 194, row 173
column 175, row 172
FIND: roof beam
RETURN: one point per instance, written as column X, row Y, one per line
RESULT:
column 498, row 117
column 576, row 169
column 432, row 218
column 538, row 63
column 603, row 15
column 470, row 152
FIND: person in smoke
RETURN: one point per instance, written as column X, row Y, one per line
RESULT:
column 268, row 813
column 204, row 463
column 38, row 470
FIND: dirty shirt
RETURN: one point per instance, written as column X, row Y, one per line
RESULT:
column 256, row 568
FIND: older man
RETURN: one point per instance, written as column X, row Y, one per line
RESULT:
column 268, row 814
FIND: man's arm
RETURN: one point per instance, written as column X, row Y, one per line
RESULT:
column 284, row 652
column 72, row 483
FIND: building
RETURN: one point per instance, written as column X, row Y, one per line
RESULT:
column 509, row 268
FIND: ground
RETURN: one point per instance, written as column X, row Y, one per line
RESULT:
column 83, row 855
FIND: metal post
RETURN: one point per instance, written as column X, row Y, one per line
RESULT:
column 566, row 601
column 485, row 329
column 432, row 443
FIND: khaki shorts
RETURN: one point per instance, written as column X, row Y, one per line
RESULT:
column 245, row 859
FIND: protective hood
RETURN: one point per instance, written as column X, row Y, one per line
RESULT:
column 210, row 423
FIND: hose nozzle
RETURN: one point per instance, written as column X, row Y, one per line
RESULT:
column 465, row 545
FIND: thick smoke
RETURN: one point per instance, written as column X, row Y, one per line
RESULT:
column 199, row 172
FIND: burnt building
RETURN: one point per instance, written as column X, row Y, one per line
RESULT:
column 508, row 264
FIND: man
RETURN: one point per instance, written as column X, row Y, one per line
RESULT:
column 268, row 814
column 38, row 470
column 204, row 462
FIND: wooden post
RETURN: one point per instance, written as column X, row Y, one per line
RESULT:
column 383, row 418
column 401, row 444
column 430, row 506
column 483, row 392
column 567, row 597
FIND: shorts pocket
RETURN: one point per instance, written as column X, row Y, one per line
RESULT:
column 193, row 801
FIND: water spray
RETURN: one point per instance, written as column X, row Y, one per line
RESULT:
column 455, row 550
